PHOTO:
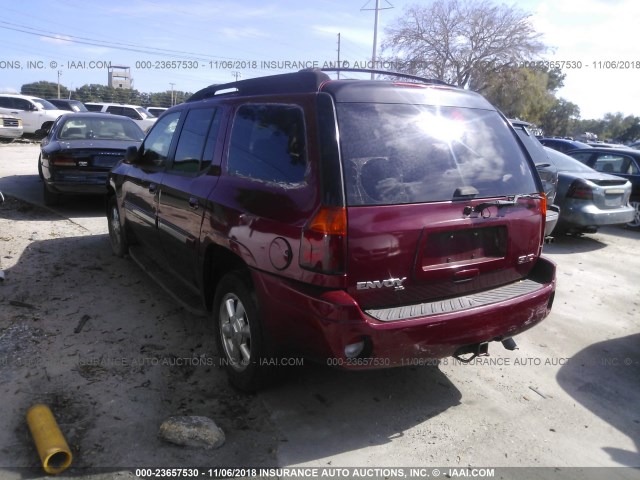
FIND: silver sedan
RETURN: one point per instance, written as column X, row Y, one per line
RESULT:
column 588, row 199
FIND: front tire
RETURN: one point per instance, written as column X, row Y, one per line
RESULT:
column 635, row 223
column 116, row 230
column 238, row 331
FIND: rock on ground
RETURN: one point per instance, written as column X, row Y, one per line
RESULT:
column 192, row 431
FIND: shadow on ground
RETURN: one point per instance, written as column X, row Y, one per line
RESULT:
column 605, row 378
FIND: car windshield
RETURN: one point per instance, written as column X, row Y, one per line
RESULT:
column 401, row 153
column 100, row 129
column 44, row 104
column 565, row 163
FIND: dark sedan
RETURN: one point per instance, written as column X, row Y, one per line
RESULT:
column 68, row 104
column 588, row 199
column 80, row 149
column 621, row 162
column 563, row 145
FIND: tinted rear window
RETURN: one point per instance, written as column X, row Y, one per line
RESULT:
column 268, row 144
column 400, row 153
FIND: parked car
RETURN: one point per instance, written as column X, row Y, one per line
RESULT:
column 36, row 113
column 10, row 128
column 68, row 104
column 606, row 145
column 589, row 199
column 156, row 111
column 562, row 144
column 79, row 151
column 360, row 223
column 624, row 162
column 136, row 113
column 546, row 169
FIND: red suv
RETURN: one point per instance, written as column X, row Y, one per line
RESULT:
column 360, row 223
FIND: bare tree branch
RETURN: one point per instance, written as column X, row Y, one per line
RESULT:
column 460, row 40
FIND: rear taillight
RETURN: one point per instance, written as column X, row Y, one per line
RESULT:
column 580, row 190
column 62, row 161
column 323, row 243
column 543, row 203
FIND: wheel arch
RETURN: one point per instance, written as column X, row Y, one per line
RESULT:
column 217, row 262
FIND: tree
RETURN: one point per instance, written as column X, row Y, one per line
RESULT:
column 518, row 92
column 458, row 40
column 561, row 118
column 44, row 89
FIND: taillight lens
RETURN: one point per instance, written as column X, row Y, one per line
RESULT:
column 580, row 190
column 62, row 161
column 323, row 243
column 543, row 203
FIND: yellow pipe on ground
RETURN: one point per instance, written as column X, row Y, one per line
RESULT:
column 54, row 452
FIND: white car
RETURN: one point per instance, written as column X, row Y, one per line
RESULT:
column 138, row 114
column 36, row 113
column 157, row 111
column 10, row 128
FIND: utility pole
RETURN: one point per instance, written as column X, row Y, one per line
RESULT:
column 375, row 30
column 338, row 56
column 59, row 73
column 172, row 99
column 236, row 75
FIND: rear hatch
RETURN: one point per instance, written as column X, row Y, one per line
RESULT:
column 433, row 200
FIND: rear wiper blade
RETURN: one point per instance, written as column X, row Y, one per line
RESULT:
column 510, row 202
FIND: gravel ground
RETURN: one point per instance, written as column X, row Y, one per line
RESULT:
column 93, row 337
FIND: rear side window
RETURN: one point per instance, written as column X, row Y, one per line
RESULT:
column 401, row 153
column 197, row 140
column 611, row 163
column 268, row 144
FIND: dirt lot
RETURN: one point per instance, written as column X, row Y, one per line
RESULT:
column 93, row 337
column 89, row 335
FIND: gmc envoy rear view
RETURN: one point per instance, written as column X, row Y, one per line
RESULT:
column 360, row 223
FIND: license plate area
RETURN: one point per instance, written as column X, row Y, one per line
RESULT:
column 105, row 161
column 462, row 247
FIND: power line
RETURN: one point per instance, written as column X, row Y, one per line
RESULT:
column 103, row 43
column 375, row 29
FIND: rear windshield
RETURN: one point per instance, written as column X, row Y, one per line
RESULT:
column 400, row 153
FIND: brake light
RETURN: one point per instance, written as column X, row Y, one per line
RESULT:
column 323, row 242
column 63, row 162
column 580, row 190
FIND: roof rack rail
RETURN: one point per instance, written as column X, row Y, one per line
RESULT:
column 303, row 81
column 389, row 73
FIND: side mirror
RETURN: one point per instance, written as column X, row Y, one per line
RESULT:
column 131, row 155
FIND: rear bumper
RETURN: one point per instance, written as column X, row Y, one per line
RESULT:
column 584, row 215
column 85, row 183
column 304, row 321
column 551, row 220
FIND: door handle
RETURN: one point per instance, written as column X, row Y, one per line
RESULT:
column 193, row 203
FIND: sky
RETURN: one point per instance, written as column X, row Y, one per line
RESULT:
column 191, row 44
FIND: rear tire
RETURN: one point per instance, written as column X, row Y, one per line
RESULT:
column 635, row 223
column 50, row 198
column 117, row 235
column 238, row 331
